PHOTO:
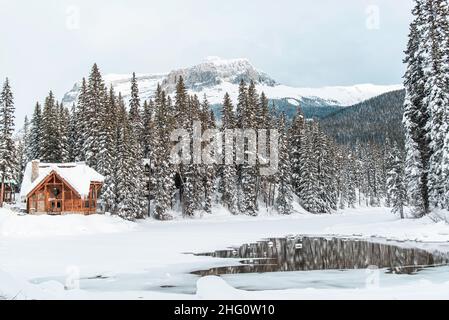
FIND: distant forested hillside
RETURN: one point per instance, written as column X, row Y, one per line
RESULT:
column 370, row 121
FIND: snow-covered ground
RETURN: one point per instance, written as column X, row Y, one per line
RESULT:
column 116, row 259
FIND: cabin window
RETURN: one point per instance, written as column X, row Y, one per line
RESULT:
column 86, row 204
column 58, row 205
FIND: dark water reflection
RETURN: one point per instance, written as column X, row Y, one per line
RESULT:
column 320, row 253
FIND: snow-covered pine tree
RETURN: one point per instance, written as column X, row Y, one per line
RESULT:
column 187, row 110
column 96, row 97
column 136, row 163
column 228, row 181
column 63, row 133
column 72, row 133
column 148, row 127
column 19, row 155
column 149, row 132
column 35, row 146
column 163, row 170
column 208, row 169
column 27, row 150
column 387, row 161
column 7, row 149
column 82, row 122
column 325, row 182
column 284, row 189
column 296, row 134
column 106, row 135
column 111, row 162
column 49, row 128
column 437, row 93
column 349, row 179
column 271, row 180
column 308, row 188
column 396, row 184
column 416, row 115
column 135, row 112
column 242, row 103
column 124, row 173
column 249, row 176
column 263, row 122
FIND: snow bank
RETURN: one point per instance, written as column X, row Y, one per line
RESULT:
column 422, row 230
column 14, row 225
column 12, row 288
column 215, row 288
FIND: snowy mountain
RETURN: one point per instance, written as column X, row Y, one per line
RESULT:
column 214, row 77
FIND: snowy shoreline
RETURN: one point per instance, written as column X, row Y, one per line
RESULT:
column 44, row 247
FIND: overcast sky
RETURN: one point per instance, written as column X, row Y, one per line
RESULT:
column 50, row 44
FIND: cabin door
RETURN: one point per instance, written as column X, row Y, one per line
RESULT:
column 55, row 199
column 55, row 206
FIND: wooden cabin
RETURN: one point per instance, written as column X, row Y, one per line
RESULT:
column 61, row 188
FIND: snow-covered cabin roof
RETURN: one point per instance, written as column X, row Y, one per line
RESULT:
column 78, row 175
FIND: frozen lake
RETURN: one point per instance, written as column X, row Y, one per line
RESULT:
column 43, row 257
column 296, row 262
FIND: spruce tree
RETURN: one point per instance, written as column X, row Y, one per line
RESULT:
column 396, row 185
column 284, row 190
column 308, row 187
column 296, row 137
column 95, row 99
column 248, row 175
column 228, row 181
column 416, row 116
column 63, row 123
column 208, row 169
column 7, row 149
column 27, row 142
column 72, row 132
column 36, row 131
column 135, row 112
column 163, row 169
column 82, row 122
column 50, row 135
column 111, row 161
column 437, row 94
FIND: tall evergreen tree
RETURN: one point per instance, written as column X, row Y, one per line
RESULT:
column 110, row 161
column 396, row 185
column 228, row 181
column 63, row 123
column 7, row 148
column 416, row 116
column 50, row 135
column 296, row 137
column 72, row 133
column 284, row 197
column 95, row 99
column 437, row 93
column 27, row 147
column 81, row 122
column 135, row 112
column 35, row 146
column 163, row 169
column 248, row 174
column 208, row 170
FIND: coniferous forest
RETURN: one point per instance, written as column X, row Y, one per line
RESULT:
column 324, row 165
column 129, row 143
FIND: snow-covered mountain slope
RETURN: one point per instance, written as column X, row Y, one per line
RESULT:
column 216, row 76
